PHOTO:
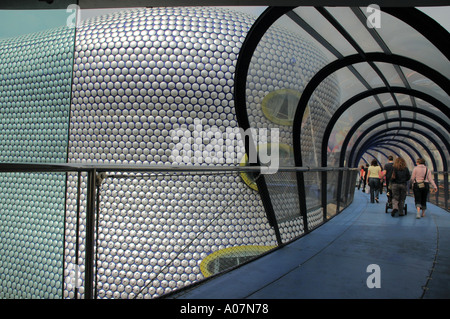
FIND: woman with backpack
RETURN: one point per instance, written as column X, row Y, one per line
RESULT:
column 398, row 184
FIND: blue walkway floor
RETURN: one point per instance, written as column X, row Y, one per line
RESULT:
column 332, row 261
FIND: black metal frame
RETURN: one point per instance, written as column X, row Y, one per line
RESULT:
column 353, row 100
column 399, row 128
column 425, row 148
column 386, row 145
column 383, row 110
column 352, row 158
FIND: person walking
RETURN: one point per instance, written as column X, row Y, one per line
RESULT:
column 373, row 180
column 362, row 172
column 365, row 178
column 421, row 180
column 399, row 179
column 388, row 167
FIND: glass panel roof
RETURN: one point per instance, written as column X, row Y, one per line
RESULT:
column 325, row 29
column 355, row 27
column 369, row 74
column 421, row 83
column 403, row 40
column 404, row 99
column 295, row 24
column 344, row 30
column 391, row 73
column 387, row 99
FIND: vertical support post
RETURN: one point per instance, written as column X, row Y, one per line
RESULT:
column 302, row 200
column 446, row 190
column 436, row 181
column 348, row 184
column 268, row 207
column 90, row 233
column 339, row 191
column 324, row 194
column 77, row 237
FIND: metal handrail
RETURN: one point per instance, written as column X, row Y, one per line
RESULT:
column 80, row 167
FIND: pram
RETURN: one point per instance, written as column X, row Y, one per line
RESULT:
column 389, row 202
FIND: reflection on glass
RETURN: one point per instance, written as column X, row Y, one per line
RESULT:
column 325, row 29
column 421, row 83
column 279, row 106
column 36, row 64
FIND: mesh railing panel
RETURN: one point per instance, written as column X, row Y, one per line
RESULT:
column 283, row 192
column 161, row 232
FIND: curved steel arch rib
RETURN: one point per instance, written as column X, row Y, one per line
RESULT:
column 254, row 35
column 426, row 149
column 423, row 24
column 384, row 144
column 351, row 158
column 351, row 101
column 430, row 138
column 387, row 109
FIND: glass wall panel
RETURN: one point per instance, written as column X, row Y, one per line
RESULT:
column 441, row 197
column 283, row 194
column 36, row 64
column 313, row 198
column 332, row 185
